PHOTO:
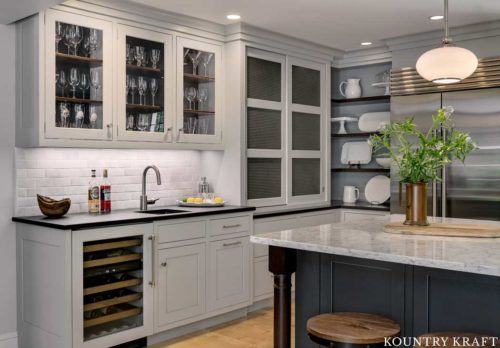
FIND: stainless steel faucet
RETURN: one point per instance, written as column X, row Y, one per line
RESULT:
column 144, row 198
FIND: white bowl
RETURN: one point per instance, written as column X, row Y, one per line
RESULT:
column 384, row 162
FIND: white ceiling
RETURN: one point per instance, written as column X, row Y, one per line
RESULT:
column 341, row 24
column 13, row 10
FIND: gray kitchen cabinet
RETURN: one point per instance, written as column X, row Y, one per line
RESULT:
column 181, row 284
column 229, row 273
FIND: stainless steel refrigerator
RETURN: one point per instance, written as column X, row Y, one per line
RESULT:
column 465, row 191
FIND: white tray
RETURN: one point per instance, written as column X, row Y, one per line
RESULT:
column 200, row 205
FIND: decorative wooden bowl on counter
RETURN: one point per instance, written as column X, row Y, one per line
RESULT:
column 53, row 208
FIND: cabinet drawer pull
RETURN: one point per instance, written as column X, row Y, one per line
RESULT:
column 231, row 244
column 231, row 226
column 164, row 264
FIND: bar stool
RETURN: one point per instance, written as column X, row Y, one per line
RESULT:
column 455, row 340
column 351, row 329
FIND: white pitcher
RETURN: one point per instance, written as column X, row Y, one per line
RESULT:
column 352, row 90
column 351, row 194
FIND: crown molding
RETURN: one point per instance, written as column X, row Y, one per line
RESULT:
column 370, row 56
column 433, row 38
column 254, row 35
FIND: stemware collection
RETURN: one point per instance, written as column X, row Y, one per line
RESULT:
column 79, row 41
column 142, row 57
column 142, row 85
column 194, row 95
column 197, row 57
column 78, row 79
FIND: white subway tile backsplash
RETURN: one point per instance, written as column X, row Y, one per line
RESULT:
column 60, row 173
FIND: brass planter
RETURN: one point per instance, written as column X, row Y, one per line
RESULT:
column 416, row 204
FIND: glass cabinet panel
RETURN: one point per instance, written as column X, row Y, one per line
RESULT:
column 264, row 177
column 145, row 63
column 79, row 97
column 306, row 176
column 200, row 94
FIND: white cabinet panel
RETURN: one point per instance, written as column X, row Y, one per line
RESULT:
column 181, row 284
column 229, row 225
column 173, row 232
column 229, row 272
column 262, row 279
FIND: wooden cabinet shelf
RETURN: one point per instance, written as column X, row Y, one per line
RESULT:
column 362, row 99
column 353, row 135
column 138, row 107
column 125, row 311
column 199, row 77
column 77, row 100
column 111, row 245
column 72, row 58
column 112, row 260
column 361, row 170
column 131, row 297
column 144, row 69
column 194, row 111
column 112, row 286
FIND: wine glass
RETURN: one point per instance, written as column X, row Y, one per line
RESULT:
column 130, row 54
column 143, row 122
column 93, row 117
column 74, row 79
column 74, row 36
column 139, row 55
column 186, row 51
column 154, row 88
column 127, row 87
column 190, row 96
column 140, row 87
column 202, row 97
column 155, row 57
column 203, row 126
column 206, row 58
column 130, row 122
column 63, row 82
column 194, row 56
column 84, row 84
column 95, row 81
column 86, row 46
column 64, row 111
column 79, row 115
column 132, row 85
column 59, row 34
column 93, row 41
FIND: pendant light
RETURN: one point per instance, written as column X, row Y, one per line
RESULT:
column 448, row 63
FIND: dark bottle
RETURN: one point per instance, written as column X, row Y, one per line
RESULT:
column 105, row 191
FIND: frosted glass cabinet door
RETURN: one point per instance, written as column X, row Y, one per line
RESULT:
column 78, row 77
column 199, row 92
column 144, row 74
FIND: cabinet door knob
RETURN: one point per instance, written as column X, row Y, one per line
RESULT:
column 109, row 125
column 164, row 264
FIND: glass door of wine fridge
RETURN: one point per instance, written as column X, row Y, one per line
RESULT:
column 78, row 98
column 113, row 280
column 145, row 70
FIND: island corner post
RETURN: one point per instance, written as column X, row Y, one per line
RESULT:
column 282, row 264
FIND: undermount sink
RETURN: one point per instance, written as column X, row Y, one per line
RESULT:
column 162, row 211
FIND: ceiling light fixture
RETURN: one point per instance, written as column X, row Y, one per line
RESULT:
column 448, row 63
column 233, row 17
column 366, row 43
column 436, row 18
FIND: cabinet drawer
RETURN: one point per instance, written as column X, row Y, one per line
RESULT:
column 182, row 231
column 262, row 280
column 229, row 225
column 351, row 216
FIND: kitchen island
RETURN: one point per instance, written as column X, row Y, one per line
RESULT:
column 426, row 284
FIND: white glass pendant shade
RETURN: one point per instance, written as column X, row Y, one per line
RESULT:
column 447, row 64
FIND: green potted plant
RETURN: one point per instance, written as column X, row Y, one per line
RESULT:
column 420, row 155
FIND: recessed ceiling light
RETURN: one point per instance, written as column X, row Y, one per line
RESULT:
column 436, row 18
column 366, row 43
column 233, row 16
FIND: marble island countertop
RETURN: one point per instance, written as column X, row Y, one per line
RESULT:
column 366, row 239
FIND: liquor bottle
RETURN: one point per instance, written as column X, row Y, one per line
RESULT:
column 105, row 193
column 93, row 200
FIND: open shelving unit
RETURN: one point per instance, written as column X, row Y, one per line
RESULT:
column 371, row 101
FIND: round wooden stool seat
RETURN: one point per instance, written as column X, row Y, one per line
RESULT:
column 352, row 328
column 455, row 340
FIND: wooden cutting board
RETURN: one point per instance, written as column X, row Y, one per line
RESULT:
column 449, row 230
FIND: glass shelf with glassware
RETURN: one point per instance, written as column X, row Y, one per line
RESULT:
column 144, row 85
column 78, row 76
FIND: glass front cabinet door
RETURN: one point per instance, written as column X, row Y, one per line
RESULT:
column 78, row 77
column 199, row 92
column 144, row 93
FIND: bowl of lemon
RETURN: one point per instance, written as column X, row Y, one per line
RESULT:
column 207, row 201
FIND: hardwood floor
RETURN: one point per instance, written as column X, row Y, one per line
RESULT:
column 254, row 331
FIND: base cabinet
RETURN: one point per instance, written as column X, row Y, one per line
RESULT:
column 181, row 283
column 229, row 266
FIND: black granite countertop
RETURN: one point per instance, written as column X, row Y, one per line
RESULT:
column 123, row 217
column 333, row 205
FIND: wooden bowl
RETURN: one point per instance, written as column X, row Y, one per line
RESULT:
column 53, row 208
